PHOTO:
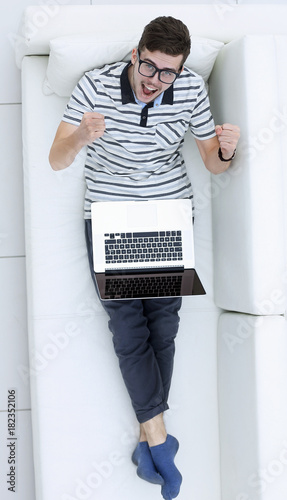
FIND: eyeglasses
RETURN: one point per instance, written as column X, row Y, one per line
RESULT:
column 164, row 75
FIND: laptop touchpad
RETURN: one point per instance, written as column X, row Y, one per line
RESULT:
column 142, row 215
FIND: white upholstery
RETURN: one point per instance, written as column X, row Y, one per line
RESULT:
column 91, row 51
column 248, row 206
column 84, row 429
column 80, row 406
column 252, row 381
column 42, row 23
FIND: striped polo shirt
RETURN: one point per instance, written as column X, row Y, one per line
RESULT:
column 139, row 157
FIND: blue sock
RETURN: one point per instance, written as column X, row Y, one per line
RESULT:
column 146, row 469
column 163, row 458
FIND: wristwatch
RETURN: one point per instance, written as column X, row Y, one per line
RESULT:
column 223, row 159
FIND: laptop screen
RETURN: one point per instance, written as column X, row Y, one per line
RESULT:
column 149, row 284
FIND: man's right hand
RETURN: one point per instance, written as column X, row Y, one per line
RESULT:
column 70, row 139
column 91, row 128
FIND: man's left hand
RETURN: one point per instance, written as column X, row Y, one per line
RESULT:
column 228, row 136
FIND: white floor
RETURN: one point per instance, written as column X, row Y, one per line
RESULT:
column 14, row 364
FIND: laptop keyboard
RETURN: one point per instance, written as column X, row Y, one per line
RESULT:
column 143, row 286
column 143, row 247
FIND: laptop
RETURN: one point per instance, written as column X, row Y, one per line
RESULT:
column 144, row 249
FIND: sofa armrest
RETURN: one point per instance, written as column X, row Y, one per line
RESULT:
column 248, row 208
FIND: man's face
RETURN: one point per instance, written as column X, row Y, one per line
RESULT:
column 147, row 88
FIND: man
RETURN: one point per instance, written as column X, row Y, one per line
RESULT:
column 133, row 118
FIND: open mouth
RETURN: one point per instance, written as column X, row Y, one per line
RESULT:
column 148, row 91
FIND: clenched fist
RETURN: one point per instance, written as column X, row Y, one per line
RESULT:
column 91, row 128
column 228, row 136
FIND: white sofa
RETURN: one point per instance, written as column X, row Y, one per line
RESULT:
column 228, row 403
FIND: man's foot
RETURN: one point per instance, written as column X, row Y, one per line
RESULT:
column 145, row 467
column 163, row 459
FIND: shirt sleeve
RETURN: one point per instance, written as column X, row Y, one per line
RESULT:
column 202, row 124
column 81, row 101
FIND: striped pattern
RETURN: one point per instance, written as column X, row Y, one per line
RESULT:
column 135, row 162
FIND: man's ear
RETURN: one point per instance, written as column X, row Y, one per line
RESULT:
column 134, row 55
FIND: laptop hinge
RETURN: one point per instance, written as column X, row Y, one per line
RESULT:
column 154, row 270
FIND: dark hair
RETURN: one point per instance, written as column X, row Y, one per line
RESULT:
column 168, row 35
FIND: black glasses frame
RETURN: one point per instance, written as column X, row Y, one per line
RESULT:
column 156, row 70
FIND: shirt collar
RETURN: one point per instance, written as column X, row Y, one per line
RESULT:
column 155, row 103
column 128, row 95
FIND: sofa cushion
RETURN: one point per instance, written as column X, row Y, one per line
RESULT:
column 252, row 383
column 84, row 428
column 71, row 56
